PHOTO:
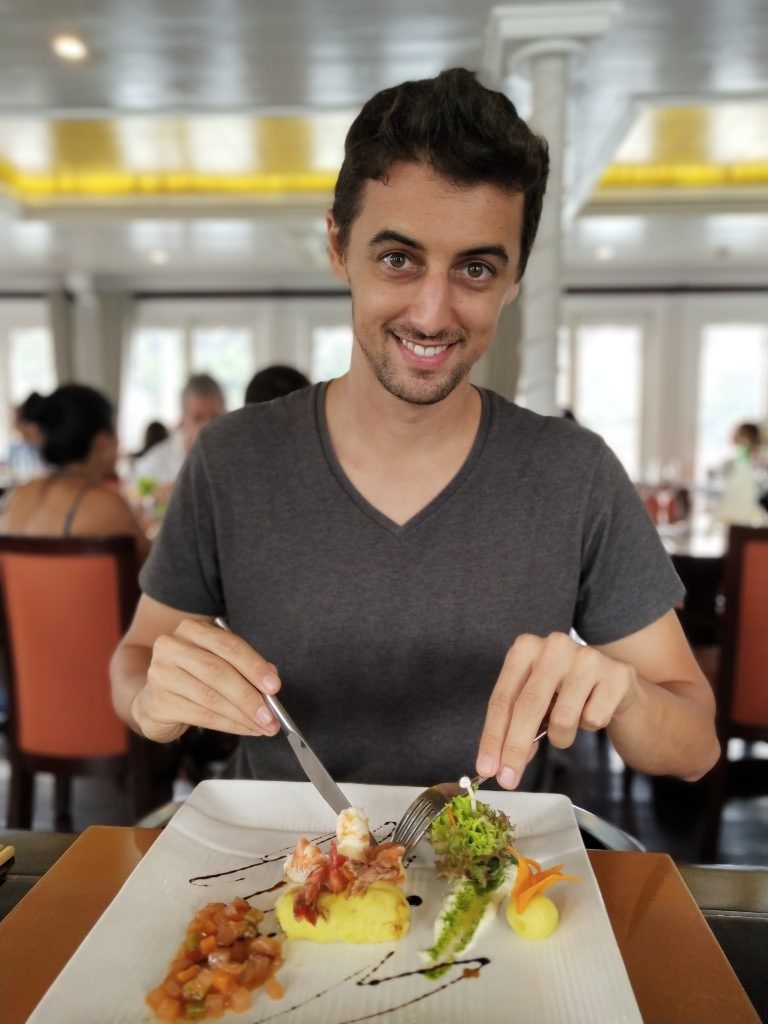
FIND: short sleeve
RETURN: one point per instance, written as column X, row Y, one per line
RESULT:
column 627, row 579
column 182, row 570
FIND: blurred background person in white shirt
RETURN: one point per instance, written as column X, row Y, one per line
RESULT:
column 202, row 400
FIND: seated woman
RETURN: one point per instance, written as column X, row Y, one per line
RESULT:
column 78, row 497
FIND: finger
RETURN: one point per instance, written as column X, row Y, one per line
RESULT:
column 566, row 712
column 208, row 718
column 514, row 673
column 165, row 701
column 221, row 680
column 602, row 705
column 207, row 680
column 232, row 649
column 531, row 706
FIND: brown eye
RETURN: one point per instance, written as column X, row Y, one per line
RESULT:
column 477, row 271
column 396, row 260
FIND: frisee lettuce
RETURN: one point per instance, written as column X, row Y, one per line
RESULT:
column 472, row 843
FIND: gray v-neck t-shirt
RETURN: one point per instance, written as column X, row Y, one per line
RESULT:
column 389, row 639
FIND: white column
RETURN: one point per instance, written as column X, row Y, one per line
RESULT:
column 87, row 351
column 543, row 280
column 116, row 313
column 542, row 37
column 60, row 319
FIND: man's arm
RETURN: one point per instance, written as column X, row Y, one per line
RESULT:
column 173, row 670
column 647, row 689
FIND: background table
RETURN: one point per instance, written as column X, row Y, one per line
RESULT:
column 678, row 971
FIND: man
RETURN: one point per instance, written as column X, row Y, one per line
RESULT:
column 404, row 553
column 201, row 401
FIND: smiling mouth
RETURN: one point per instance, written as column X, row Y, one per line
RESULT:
column 423, row 351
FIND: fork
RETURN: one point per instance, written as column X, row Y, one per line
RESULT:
column 426, row 807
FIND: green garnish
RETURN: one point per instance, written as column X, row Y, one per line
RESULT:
column 462, row 913
column 472, row 842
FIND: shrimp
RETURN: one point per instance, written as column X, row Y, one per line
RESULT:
column 384, row 864
column 353, row 834
column 304, row 860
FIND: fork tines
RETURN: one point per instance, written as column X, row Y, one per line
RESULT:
column 416, row 821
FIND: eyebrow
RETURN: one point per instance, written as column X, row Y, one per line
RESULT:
column 387, row 235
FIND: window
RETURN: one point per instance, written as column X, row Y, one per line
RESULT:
column 153, row 382
column 227, row 354
column 733, row 387
column 331, row 351
column 607, row 385
column 28, row 364
column 31, row 362
column 171, row 342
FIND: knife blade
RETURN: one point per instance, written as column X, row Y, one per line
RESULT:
column 311, row 764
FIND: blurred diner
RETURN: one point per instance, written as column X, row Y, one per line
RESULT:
column 202, row 400
column 155, row 433
column 78, row 497
column 23, row 461
column 274, row 382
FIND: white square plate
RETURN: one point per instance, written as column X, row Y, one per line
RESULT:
column 230, row 838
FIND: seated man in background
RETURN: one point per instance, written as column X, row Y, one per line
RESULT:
column 404, row 552
column 202, row 400
column 78, row 497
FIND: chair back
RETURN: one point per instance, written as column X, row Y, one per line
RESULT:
column 744, row 675
column 66, row 603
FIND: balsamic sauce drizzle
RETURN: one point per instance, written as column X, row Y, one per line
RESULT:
column 367, row 980
column 266, row 858
column 260, row 892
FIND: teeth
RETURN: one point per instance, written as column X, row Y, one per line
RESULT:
column 420, row 350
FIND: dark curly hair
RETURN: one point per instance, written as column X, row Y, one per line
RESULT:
column 465, row 132
column 69, row 419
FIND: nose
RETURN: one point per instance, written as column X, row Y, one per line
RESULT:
column 430, row 307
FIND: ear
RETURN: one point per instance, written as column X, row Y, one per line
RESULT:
column 335, row 252
column 511, row 293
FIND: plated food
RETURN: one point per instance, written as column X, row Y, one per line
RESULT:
column 474, row 852
column 353, row 893
column 231, row 839
column 222, row 959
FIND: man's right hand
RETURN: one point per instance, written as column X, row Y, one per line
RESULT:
column 202, row 675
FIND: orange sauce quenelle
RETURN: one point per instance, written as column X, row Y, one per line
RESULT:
column 222, row 960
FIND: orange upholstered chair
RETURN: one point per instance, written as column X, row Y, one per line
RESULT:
column 742, row 682
column 66, row 602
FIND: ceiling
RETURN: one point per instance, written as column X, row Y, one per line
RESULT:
column 189, row 86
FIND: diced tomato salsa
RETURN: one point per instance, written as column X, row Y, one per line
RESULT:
column 222, row 959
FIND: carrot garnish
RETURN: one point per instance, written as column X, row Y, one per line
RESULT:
column 529, row 882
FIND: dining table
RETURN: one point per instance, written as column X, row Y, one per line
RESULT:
column 59, row 886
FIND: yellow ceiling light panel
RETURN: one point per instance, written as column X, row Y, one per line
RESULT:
column 688, row 148
column 216, row 156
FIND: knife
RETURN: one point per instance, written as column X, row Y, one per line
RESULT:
column 305, row 755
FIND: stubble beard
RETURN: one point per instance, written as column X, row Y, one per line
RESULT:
column 422, row 389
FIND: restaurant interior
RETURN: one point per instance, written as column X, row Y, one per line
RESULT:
column 165, row 170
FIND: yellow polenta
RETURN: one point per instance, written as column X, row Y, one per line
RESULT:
column 381, row 914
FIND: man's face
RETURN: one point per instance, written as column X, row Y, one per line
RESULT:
column 196, row 412
column 430, row 266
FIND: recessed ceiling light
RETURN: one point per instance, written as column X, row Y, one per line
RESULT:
column 159, row 257
column 605, row 252
column 69, row 47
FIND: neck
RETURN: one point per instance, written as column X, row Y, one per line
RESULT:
column 80, row 470
column 372, row 419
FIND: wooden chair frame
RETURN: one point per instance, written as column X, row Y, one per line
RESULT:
column 135, row 765
column 722, row 774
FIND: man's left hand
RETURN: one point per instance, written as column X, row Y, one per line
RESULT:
column 581, row 688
